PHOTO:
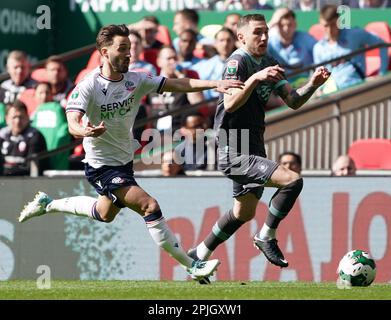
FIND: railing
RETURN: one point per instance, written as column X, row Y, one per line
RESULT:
column 323, row 129
column 316, row 131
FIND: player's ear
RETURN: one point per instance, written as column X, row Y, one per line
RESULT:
column 104, row 52
column 241, row 37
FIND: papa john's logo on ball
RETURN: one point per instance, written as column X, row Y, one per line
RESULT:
column 232, row 67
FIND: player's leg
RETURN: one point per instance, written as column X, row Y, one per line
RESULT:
column 243, row 211
column 289, row 186
column 135, row 198
column 101, row 209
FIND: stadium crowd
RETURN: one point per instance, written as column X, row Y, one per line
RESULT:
column 32, row 102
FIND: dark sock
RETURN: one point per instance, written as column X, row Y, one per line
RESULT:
column 222, row 230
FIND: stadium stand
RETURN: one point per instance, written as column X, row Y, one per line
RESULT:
column 372, row 57
column 94, row 60
column 50, row 120
column 371, row 154
column 317, row 31
column 27, row 97
column 2, row 115
column 39, row 75
column 163, row 35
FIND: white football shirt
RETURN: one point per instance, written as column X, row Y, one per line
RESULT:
column 116, row 103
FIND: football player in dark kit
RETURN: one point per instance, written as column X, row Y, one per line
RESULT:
column 240, row 125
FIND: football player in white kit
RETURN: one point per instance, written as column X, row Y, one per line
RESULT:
column 102, row 109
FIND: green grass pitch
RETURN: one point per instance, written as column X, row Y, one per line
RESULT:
column 188, row 290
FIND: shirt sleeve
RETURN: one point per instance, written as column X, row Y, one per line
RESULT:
column 80, row 97
column 150, row 83
column 235, row 69
column 371, row 39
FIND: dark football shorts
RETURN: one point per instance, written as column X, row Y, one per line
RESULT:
column 249, row 173
column 107, row 179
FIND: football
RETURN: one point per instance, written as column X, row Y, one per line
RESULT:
column 356, row 269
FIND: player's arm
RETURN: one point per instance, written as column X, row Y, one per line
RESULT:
column 296, row 98
column 237, row 98
column 194, row 85
column 76, row 129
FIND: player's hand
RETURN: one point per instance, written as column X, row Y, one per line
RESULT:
column 273, row 73
column 94, row 131
column 320, row 76
column 224, row 85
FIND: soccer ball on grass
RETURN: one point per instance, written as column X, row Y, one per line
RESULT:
column 356, row 269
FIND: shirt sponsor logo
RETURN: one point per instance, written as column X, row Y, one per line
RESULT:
column 232, row 67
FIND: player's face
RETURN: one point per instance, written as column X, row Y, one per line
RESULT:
column 118, row 54
column 254, row 37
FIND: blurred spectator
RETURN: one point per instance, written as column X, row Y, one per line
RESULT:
column 170, row 166
column 304, row 5
column 339, row 42
column 135, row 50
column 291, row 48
column 212, row 69
column 365, row 4
column 231, row 22
column 344, row 166
column 186, row 46
column 42, row 93
column 57, row 75
column 18, row 68
column 193, row 151
column 243, row 5
column 168, row 61
column 291, row 161
column 147, row 27
column 188, row 19
column 18, row 141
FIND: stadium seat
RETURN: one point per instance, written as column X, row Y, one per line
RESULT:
column 150, row 55
column 163, row 35
column 81, row 75
column 50, row 120
column 210, row 30
column 2, row 115
column 94, row 60
column 27, row 97
column 372, row 58
column 371, row 153
column 317, row 31
column 39, row 75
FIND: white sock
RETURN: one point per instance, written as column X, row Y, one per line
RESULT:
column 203, row 252
column 266, row 233
column 80, row 206
column 164, row 238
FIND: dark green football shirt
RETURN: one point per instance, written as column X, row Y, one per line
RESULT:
column 251, row 116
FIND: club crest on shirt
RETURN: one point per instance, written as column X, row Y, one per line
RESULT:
column 129, row 85
column 232, row 67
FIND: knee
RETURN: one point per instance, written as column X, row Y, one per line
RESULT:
column 150, row 206
column 296, row 184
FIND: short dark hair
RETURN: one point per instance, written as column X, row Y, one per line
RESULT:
column 106, row 34
column 190, row 14
column 289, row 14
column 329, row 12
column 153, row 19
column 243, row 21
column 136, row 34
column 54, row 58
column 228, row 30
column 18, row 105
column 290, row 153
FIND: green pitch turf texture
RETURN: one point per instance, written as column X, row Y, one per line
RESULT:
column 189, row 290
